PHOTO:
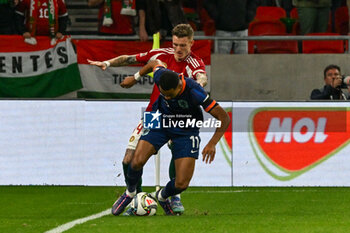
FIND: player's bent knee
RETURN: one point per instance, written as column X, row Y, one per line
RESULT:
column 129, row 153
column 181, row 185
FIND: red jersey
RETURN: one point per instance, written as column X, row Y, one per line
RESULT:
column 42, row 21
column 189, row 67
column 122, row 24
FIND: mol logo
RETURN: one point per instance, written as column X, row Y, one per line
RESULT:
column 282, row 130
column 289, row 142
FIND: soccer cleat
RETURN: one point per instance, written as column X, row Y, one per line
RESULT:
column 164, row 204
column 176, row 205
column 120, row 204
column 129, row 212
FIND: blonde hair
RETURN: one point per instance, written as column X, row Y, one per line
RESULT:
column 183, row 30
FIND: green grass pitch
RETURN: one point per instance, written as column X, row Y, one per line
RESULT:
column 25, row 209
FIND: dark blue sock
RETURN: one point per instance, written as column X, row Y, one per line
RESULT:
column 133, row 178
column 170, row 189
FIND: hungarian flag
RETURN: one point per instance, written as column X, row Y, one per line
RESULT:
column 41, row 70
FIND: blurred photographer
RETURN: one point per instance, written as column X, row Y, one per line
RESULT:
column 7, row 17
column 334, row 83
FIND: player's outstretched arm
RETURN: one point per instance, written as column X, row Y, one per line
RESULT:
column 123, row 60
column 209, row 150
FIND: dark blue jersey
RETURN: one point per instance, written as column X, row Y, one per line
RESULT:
column 185, row 106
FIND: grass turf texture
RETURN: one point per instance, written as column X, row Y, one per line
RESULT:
column 40, row 208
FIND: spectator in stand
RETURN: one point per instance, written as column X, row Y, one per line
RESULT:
column 157, row 16
column 7, row 17
column 313, row 15
column 39, row 21
column 115, row 17
column 232, row 18
column 334, row 82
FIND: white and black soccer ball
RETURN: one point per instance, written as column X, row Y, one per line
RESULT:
column 143, row 205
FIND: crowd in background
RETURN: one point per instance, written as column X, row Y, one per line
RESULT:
column 146, row 17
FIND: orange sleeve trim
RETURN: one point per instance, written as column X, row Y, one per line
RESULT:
column 157, row 67
column 183, row 83
column 207, row 109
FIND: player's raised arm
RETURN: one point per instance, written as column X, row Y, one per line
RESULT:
column 132, row 80
column 123, row 60
column 209, row 150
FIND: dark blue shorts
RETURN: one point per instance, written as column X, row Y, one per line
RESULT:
column 182, row 145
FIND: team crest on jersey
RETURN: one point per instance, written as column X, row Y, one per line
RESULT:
column 182, row 103
column 132, row 139
column 142, row 54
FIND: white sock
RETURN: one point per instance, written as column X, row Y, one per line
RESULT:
column 130, row 194
column 160, row 197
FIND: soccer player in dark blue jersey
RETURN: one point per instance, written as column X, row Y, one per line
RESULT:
column 180, row 101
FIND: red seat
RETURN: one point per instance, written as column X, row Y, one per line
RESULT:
column 208, row 24
column 323, row 46
column 264, row 28
column 276, row 46
column 341, row 20
column 296, row 26
column 294, row 13
column 270, row 12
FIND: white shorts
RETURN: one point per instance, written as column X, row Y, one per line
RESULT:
column 135, row 136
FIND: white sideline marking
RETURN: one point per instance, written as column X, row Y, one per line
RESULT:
column 71, row 224
column 252, row 191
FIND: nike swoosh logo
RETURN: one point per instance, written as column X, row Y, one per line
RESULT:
column 194, row 151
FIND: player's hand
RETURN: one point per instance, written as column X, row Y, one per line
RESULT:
column 128, row 82
column 100, row 64
column 208, row 153
column 143, row 34
column 59, row 35
column 27, row 35
column 337, row 82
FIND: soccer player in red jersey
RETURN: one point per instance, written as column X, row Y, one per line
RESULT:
column 180, row 59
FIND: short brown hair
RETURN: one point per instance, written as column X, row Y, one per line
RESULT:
column 183, row 30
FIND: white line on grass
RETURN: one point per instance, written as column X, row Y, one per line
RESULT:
column 252, row 191
column 71, row 224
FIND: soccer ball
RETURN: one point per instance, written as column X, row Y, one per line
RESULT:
column 143, row 205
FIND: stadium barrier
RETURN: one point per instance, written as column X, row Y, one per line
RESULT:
column 62, row 142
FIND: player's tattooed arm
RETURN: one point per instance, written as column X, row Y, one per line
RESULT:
column 202, row 79
column 123, row 60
